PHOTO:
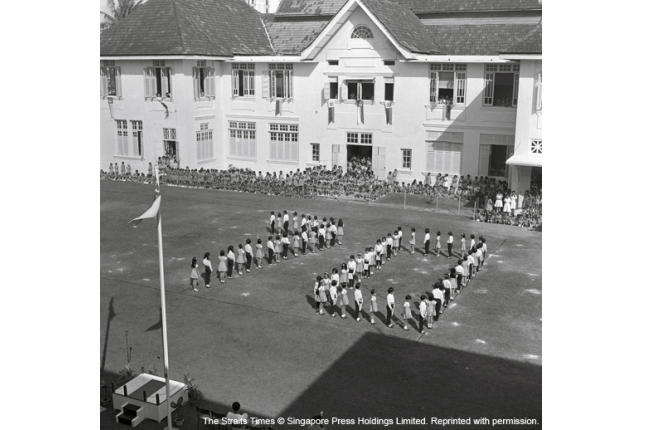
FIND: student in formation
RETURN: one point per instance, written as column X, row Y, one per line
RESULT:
column 358, row 301
column 498, row 201
column 479, row 259
column 343, row 301
column 335, row 276
column 390, row 306
column 271, row 250
column 466, row 266
column 272, row 222
column 373, row 306
column 333, row 230
column 471, row 264
column 295, row 222
column 446, row 284
column 459, row 270
column 379, row 253
column 285, row 246
column 221, row 267
column 437, row 245
column 431, row 307
column 303, row 240
column 366, row 263
column 340, row 231
column 449, row 242
column 453, row 282
column 319, row 292
column 326, row 285
column 413, row 240
column 277, row 247
column 259, row 254
column 389, row 242
column 423, row 314
column 321, row 237
column 230, row 261
column 296, row 241
column 482, row 240
column 312, row 240
column 426, row 242
column 194, row 275
column 438, row 298
column 463, row 245
column 407, row 314
column 399, row 235
column 285, row 222
column 372, row 267
column 248, row 252
column 351, row 270
column 333, row 296
column 343, row 275
column 241, row 259
column 472, row 242
column 209, row 269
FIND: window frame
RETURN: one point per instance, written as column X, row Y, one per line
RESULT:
column 315, row 152
column 284, row 138
column 536, row 146
column 359, row 138
column 246, row 136
column 137, row 137
column 388, row 81
column 361, row 31
column 490, row 74
column 406, row 153
column 459, row 79
column 442, row 143
column 122, row 137
column 204, row 139
column 158, row 77
column 246, row 79
column 109, row 72
column 285, row 70
column 359, row 89
column 203, row 81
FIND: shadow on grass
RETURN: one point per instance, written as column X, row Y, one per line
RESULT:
column 393, row 377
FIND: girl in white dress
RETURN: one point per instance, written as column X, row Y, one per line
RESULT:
column 507, row 205
column 221, row 268
column 413, row 240
column 241, row 259
column 373, row 306
column 513, row 202
column 340, row 231
column 498, row 202
column 437, row 245
column 407, row 314
column 259, row 254
column 194, row 276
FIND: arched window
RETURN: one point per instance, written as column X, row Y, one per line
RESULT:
column 362, row 32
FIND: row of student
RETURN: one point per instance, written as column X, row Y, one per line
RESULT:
column 324, row 234
column 332, row 291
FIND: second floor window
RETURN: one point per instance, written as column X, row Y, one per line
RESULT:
column 502, row 82
column 331, row 89
column 448, row 83
column 203, row 80
column 243, row 77
column 157, row 80
column 281, row 80
column 389, row 89
column 110, row 79
column 360, row 90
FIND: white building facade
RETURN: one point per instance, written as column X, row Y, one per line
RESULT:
column 352, row 86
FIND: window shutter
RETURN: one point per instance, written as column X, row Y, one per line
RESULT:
column 327, row 91
column 343, row 91
column 290, row 86
column 538, row 101
column 235, row 83
column 165, row 77
column 210, row 82
column 196, row 82
column 265, row 85
column 118, row 81
column 150, row 82
column 272, row 72
column 456, row 159
column 247, row 83
column 430, row 157
column 484, row 155
column 516, row 85
column 433, row 86
column 294, row 151
column 104, row 82
column 461, row 88
column 488, row 89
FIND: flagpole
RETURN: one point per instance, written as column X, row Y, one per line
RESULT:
column 164, row 328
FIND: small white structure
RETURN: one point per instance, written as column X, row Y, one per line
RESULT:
column 144, row 397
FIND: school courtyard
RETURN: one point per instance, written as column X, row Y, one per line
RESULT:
column 256, row 339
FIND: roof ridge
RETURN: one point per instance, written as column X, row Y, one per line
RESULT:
column 267, row 33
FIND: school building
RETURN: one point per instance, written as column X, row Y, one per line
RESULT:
column 440, row 86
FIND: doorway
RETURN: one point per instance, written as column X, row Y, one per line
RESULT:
column 359, row 158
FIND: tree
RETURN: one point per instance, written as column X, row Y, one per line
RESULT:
column 119, row 10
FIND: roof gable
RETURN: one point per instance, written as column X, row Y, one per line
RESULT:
column 188, row 27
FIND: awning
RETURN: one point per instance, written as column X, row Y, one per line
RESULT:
column 518, row 160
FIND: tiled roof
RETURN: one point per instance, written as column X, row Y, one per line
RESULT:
column 291, row 37
column 404, row 26
column 331, row 7
column 188, row 27
column 445, row 6
column 530, row 44
column 310, row 7
column 478, row 39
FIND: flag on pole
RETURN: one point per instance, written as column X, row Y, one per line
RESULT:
column 150, row 213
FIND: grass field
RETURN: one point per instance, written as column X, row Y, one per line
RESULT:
column 256, row 339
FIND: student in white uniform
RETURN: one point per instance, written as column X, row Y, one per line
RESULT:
column 358, row 301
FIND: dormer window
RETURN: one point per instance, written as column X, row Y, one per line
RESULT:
column 362, row 32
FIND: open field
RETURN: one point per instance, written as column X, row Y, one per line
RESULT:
column 256, row 339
